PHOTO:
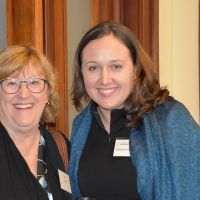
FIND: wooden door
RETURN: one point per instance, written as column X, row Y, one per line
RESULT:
column 42, row 23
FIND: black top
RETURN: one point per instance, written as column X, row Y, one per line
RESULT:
column 16, row 180
column 101, row 175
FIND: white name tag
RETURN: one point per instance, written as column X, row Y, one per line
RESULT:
column 64, row 181
column 121, row 148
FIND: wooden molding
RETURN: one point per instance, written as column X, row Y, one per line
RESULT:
column 55, row 47
column 38, row 18
column 101, row 10
column 148, row 29
column 9, row 21
column 24, row 22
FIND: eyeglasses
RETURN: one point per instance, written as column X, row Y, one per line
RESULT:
column 11, row 85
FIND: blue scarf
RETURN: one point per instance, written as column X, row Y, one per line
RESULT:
column 165, row 151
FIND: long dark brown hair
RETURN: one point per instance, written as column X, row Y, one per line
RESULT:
column 146, row 92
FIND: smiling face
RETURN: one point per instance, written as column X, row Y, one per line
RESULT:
column 22, row 110
column 108, row 72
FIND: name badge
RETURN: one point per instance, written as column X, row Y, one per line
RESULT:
column 121, row 148
column 64, row 181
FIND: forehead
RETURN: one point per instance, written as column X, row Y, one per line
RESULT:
column 106, row 39
column 29, row 71
column 106, row 46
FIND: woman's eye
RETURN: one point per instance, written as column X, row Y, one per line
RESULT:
column 34, row 82
column 92, row 68
column 116, row 66
column 11, row 83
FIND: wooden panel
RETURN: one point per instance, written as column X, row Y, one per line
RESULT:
column 9, row 22
column 118, row 10
column 38, row 18
column 95, row 12
column 148, row 28
column 56, row 51
column 102, row 10
column 24, row 22
column 61, row 61
column 131, row 18
column 49, row 30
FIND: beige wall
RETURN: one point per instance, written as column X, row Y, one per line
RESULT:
column 178, row 48
column 78, row 22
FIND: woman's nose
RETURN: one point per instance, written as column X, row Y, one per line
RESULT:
column 23, row 90
column 106, row 77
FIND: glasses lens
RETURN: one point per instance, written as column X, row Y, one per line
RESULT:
column 10, row 86
column 36, row 85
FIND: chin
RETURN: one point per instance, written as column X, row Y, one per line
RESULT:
column 25, row 124
column 110, row 107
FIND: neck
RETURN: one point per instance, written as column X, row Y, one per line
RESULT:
column 105, row 117
column 22, row 134
column 27, row 142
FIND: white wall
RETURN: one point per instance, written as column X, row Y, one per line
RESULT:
column 2, row 24
column 178, row 49
column 78, row 22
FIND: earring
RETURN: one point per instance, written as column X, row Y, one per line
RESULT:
column 47, row 103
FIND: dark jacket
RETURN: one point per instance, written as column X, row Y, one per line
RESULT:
column 16, row 180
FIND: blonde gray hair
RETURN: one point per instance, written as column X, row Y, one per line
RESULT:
column 15, row 59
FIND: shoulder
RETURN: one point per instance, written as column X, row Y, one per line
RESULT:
column 170, row 106
column 173, row 110
column 81, row 125
column 57, row 137
column 57, row 145
column 85, row 115
column 173, row 116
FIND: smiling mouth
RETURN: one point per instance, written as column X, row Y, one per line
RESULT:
column 23, row 106
column 107, row 91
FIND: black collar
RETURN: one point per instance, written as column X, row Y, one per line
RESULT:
column 118, row 118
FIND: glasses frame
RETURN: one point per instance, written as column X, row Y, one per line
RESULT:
column 26, row 83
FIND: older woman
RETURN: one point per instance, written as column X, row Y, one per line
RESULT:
column 31, row 167
column 133, row 141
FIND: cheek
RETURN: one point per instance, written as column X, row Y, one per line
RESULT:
column 90, row 88
column 46, row 94
column 88, row 82
column 43, row 99
column 4, row 100
column 130, row 82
